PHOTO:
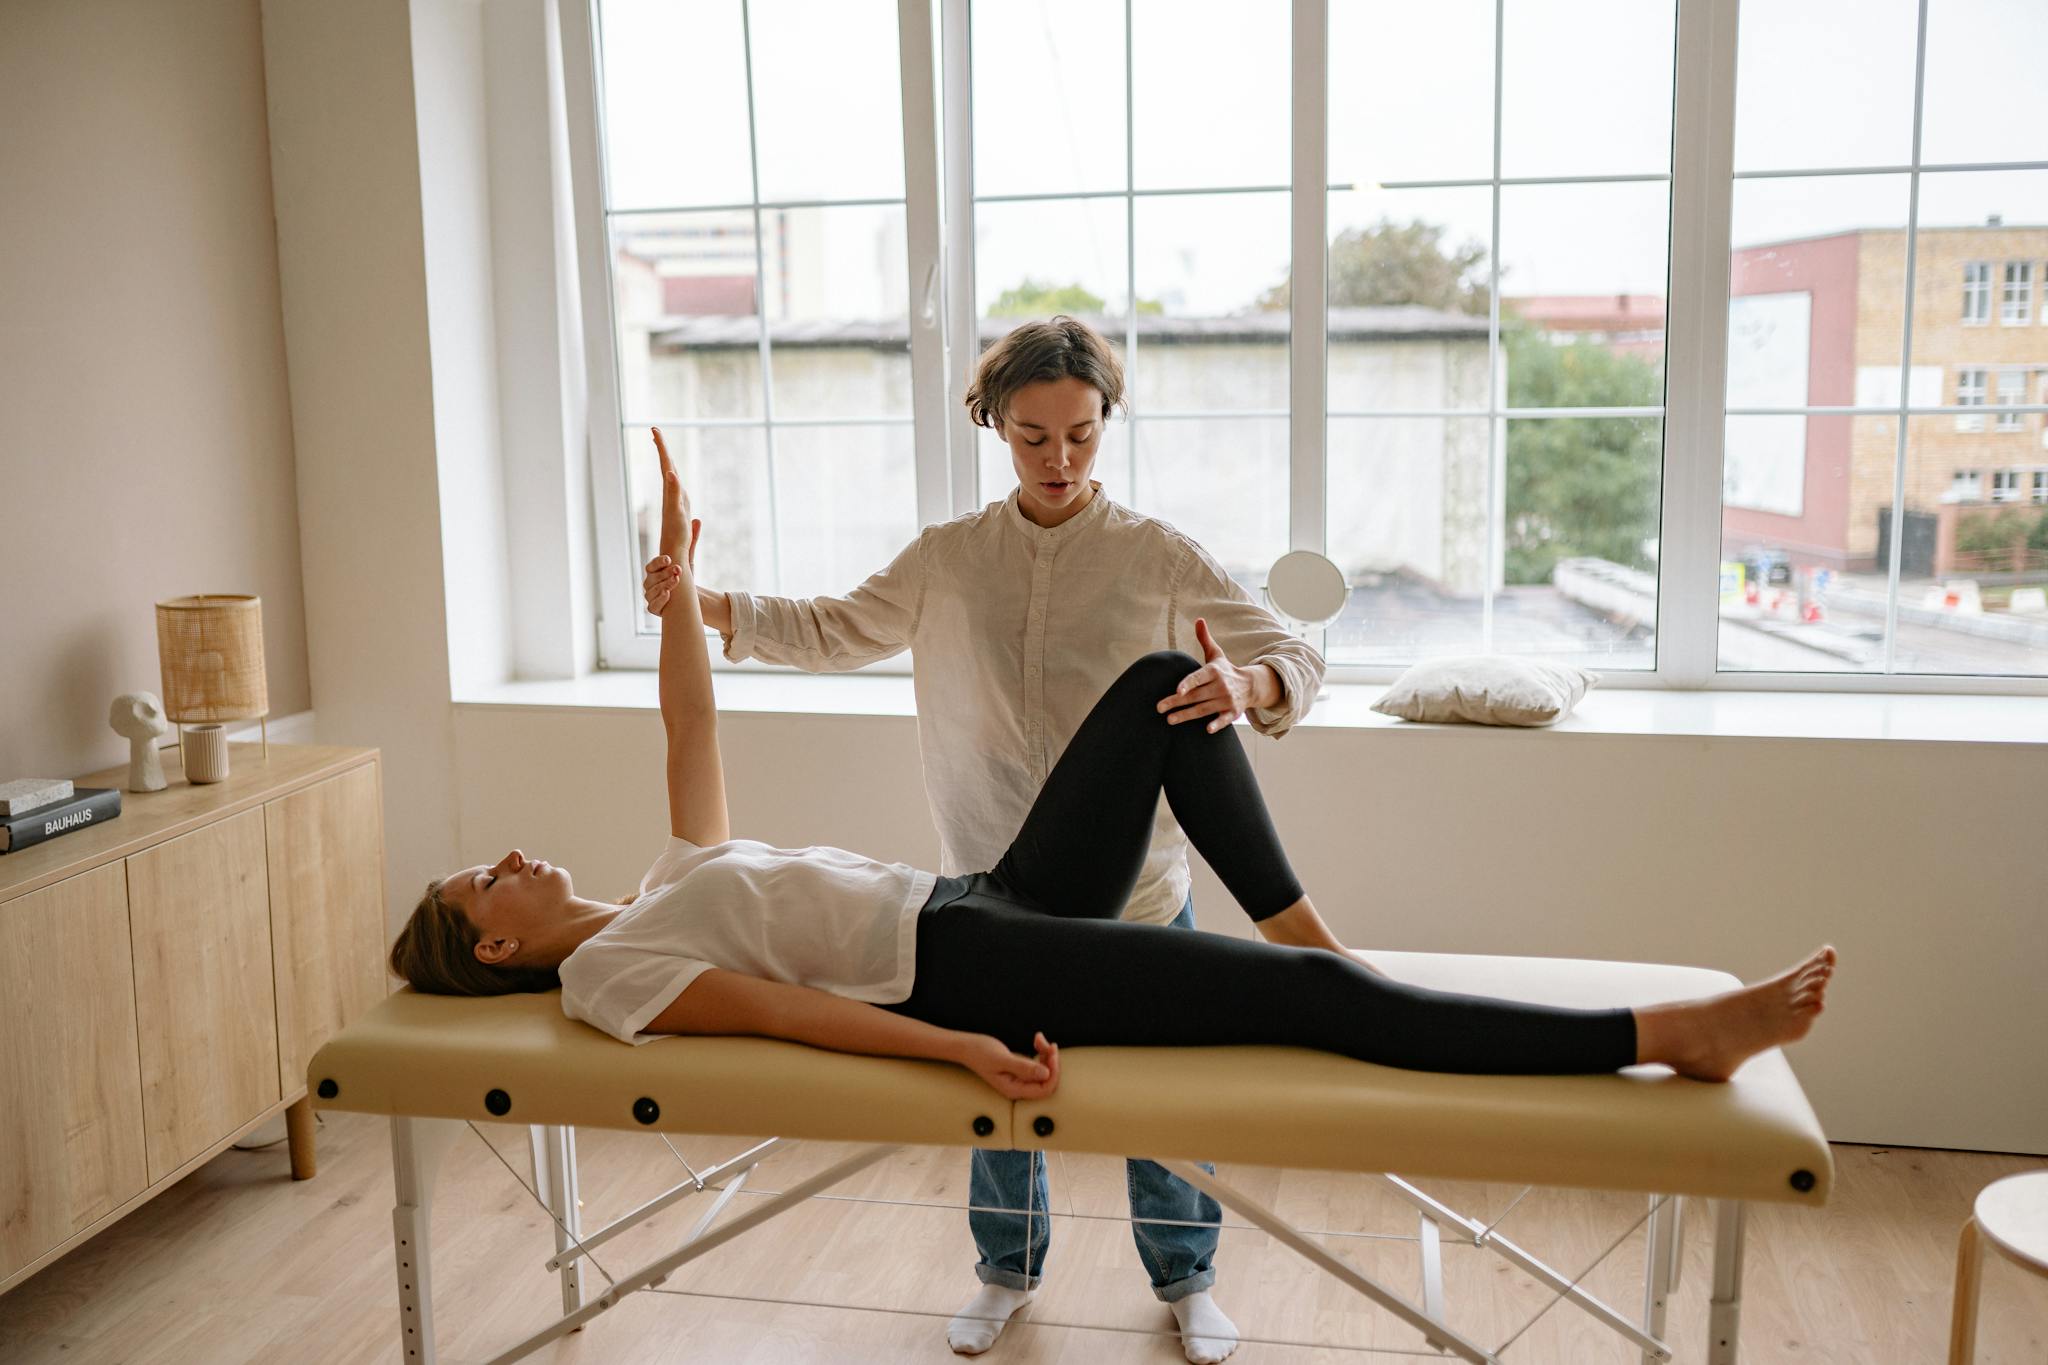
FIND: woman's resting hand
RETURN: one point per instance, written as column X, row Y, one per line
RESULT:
column 1012, row 1076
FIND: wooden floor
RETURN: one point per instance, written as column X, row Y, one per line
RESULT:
column 239, row 1264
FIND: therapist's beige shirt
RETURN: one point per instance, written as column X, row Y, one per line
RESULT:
column 1016, row 630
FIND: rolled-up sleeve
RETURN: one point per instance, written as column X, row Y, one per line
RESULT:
column 833, row 634
column 1247, row 634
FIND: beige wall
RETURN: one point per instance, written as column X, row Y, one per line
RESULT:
column 346, row 161
column 145, row 435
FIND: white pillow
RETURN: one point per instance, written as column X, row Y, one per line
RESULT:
column 1487, row 689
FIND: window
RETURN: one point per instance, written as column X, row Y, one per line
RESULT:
column 759, row 303
column 2041, row 486
column 2005, row 485
column 1496, row 298
column 1970, row 394
column 1161, row 214
column 2016, row 300
column 2012, row 391
column 1413, row 315
column 1976, row 293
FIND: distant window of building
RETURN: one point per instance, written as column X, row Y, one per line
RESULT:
column 2012, row 391
column 1970, row 394
column 1966, row 485
column 2005, row 485
column 2041, row 486
column 2016, row 301
column 1976, row 293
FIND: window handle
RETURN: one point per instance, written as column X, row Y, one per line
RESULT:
column 928, row 312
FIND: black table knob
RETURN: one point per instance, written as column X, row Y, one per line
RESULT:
column 328, row 1089
column 1802, row 1181
column 646, row 1110
column 1042, row 1125
column 983, row 1125
column 498, row 1102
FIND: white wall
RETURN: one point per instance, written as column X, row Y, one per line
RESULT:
column 1734, row 853
column 145, row 435
column 345, row 166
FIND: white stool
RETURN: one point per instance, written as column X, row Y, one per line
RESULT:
column 2012, row 1215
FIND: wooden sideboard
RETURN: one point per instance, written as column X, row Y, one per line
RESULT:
column 165, row 977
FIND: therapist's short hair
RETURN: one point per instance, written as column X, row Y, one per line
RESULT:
column 1060, row 348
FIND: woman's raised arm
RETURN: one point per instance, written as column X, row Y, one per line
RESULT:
column 696, row 775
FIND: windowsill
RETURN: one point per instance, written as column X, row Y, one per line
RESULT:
column 1919, row 717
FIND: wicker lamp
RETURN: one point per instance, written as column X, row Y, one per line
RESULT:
column 211, row 650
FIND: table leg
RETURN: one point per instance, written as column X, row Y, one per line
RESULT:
column 298, row 1131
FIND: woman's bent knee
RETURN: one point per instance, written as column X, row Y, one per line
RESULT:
column 1161, row 670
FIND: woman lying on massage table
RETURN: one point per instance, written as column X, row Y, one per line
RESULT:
column 826, row 947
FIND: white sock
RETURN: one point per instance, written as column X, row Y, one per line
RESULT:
column 975, row 1328
column 1207, row 1335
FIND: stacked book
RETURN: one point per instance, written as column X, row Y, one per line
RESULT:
column 37, row 808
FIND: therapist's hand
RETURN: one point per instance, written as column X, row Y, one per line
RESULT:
column 1012, row 1076
column 1219, row 689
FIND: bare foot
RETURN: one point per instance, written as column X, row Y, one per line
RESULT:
column 1708, row 1039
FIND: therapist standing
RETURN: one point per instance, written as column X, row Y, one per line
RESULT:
column 1018, row 616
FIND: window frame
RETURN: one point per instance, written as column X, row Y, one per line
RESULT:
column 937, row 128
column 2009, row 416
column 1976, row 291
column 1973, row 390
column 2016, row 295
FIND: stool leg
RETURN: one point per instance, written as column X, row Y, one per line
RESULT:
column 1962, row 1336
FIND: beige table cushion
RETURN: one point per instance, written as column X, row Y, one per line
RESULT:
column 440, row 1056
column 1640, row 1129
column 1644, row 1129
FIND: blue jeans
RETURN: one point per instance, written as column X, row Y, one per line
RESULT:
column 1179, row 1258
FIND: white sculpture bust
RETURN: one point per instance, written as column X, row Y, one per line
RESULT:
column 138, row 717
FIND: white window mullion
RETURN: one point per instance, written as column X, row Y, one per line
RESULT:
column 923, row 243
column 1496, row 398
column 1309, row 330
column 761, row 304
column 963, row 332
column 1905, row 428
column 618, row 595
column 1696, row 344
column 1131, row 491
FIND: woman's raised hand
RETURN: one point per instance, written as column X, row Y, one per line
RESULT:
column 679, row 532
column 1012, row 1076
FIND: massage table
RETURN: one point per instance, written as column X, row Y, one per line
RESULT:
column 433, row 1063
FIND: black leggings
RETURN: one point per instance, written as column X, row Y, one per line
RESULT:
column 1036, row 944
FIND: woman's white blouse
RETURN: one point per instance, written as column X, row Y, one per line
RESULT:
column 819, row 917
column 1017, row 629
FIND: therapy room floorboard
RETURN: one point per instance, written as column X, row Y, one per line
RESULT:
column 239, row 1264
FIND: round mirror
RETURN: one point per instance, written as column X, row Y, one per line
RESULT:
column 1305, row 587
